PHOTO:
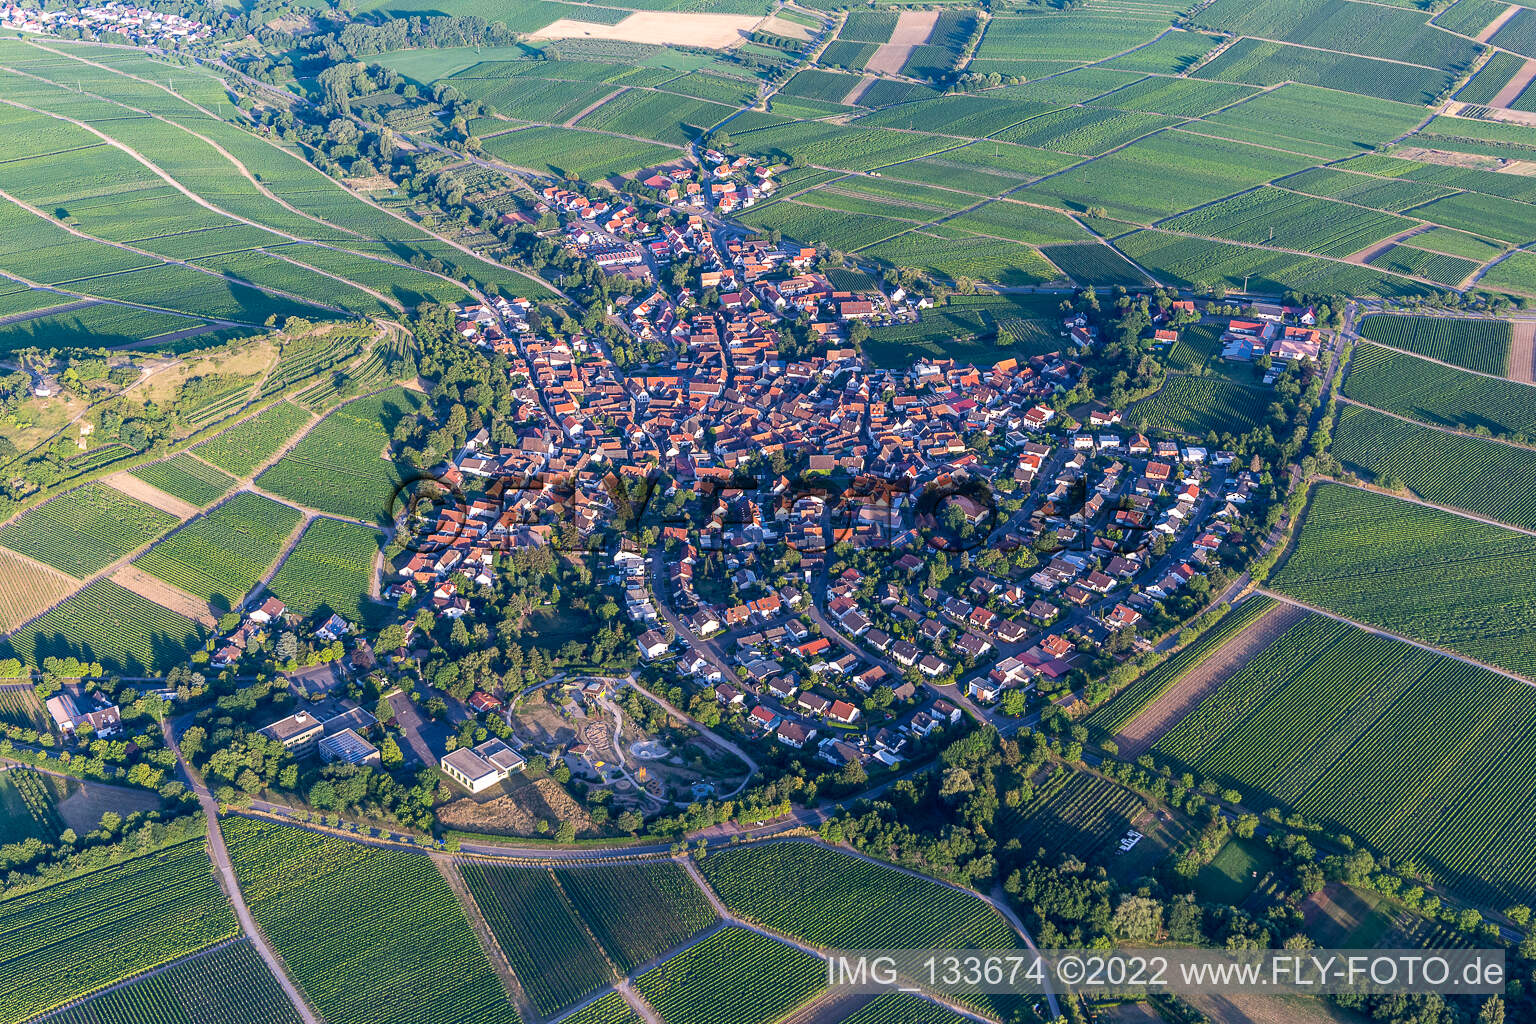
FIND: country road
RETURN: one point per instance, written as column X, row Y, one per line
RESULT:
column 219, row 853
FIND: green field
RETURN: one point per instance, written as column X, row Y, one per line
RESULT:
column 244, row 446
column 107, row 624
column 832, row 900
column 184, row 477
column 28, row 807
column 733, row 977
column 1483, row 477
column 637, row 912
column 1420, row 572
column 222, row 555
column 1477, row 344
column 1072, row 813
column 554, row 957
column 329, row 570
column 107, row 925
column 339, row 466
column 410, row 955
column 1417, row 754
column 1141, row 694
column 1441, row 396
column 608, row 1009
column 86, row 529
column 1198, row 406
column 229, row 985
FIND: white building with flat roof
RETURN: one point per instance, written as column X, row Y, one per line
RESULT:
column 480, row 767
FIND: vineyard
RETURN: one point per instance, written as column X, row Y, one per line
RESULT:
column 107, row 925
column 733, row 977
column 19, row 707
column 835, row 901
column 1421, row 756
column 1417, row 571
column 339, row 467
column 903, row 1008
column 185, row 477
column 27, row 588
column 1441, row 395
column 331, row 568
column 1141, row 694
column 1473, row 343
column 552, row 954
column 229, row 985
column 27, row 806
column 86, row 529
column 609, row 1009
column 637, row 911
column 110, row 625
column 1271, row 216
column 1072, row 812
column 222, row 555
column 249, row 443
column 373, row 936
column 1198, row 406
column 1484, row 477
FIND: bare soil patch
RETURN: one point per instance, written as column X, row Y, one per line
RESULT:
column 1446, row 158
column 1515, row 86
column 150, row 495
column 28, row 589
column 519, row 811
column 163, row 594
column 912, row 29
column 858, row 90
column 1522, row 351
column 1332, row 914
column 660, row 28
column 1497, row 23
column 786, row 28
column 1162, row 714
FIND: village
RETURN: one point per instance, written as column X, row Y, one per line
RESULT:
column 135, row 24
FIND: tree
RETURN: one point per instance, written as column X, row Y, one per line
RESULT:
column 1139, row 918
column 1492, row 1011
column 389, row 753
column 566, row 833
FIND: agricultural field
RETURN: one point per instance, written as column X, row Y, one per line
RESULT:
column 27, row 589
column 1476, row 344
column 834, row 901
column 331, row 569
column 733, row 977
column 608, row 1009
column 244, row 446
column 229, row 985
column 86, row 529
column 637, row 911
column 1141, row 694
column 1483, row 477
column 185, row 477
column 1493, row 76
column 20, row 708
column 107, row 624
column 1191, row 262
column 220, row 556
column 1416, row 754
column 952, row 256
column 1094, row 263
column 1072, row 812
column 553, row 955
column 902, row 1008
column 162, row 906
column 1402, row 259
column 27, row 810
column 388, row 915
column 340, row 465
column 1271, row 216
column 1441, row 396
column 1197, row 406
column 1517, row 273
column 1260, row 62
column 1417, row 571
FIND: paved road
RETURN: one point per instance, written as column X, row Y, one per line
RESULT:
column 220, row 855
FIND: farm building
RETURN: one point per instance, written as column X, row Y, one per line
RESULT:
column 480, row 767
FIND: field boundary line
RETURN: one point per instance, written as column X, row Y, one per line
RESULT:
column 1432, row 426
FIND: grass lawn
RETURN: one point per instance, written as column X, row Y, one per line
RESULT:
column 1235, row 872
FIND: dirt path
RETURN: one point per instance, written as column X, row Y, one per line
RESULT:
column 858, row 90
column 1370, row 252
column 136, row 580
column 1497, row 23
column 912, row 29
column 1515, row 86
column 1522, row 351
column 219, row 853
column 584, row 111
column 1163, row 713
column 482, row 930
column 149, row 494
